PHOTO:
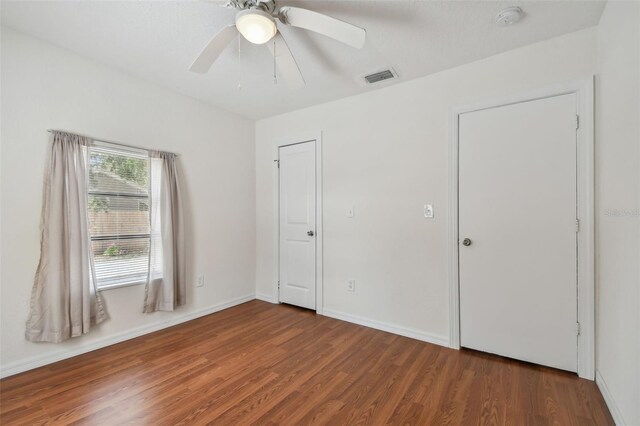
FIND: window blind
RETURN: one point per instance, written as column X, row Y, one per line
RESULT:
column 118, row 212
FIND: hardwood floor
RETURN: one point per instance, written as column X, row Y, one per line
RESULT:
column 274, row 364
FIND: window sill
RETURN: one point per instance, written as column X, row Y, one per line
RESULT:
column 120, row 285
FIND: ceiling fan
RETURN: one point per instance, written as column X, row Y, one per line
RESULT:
column 257, row 21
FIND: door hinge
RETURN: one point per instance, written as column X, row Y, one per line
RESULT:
column 577, row 328
column 577, row 225
column 277, row 163
column 278, row 285
column 577, row 122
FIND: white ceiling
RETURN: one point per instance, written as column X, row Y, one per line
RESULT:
column 158, row 41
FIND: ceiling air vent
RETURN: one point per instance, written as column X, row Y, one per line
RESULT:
column 380, row 76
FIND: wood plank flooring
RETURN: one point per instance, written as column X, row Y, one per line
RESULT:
column 259, row 363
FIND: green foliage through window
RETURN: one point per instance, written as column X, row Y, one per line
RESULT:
column 113, row 250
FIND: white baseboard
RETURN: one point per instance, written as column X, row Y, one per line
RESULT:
column 608, row 399
column 266, row 298
column 391, row 328
column 35, row 362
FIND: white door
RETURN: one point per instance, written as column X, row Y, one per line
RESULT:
column 517, row 208
column 298, row 224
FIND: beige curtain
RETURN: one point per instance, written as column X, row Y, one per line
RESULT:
column 166, row 285
column 64, row 300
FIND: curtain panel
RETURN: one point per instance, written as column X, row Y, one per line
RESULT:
column 166, row 286
column 64, row 299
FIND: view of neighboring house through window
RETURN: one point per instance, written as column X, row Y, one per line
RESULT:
column 118, row 207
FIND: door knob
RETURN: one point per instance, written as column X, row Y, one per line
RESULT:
column 310, row 233
column 466, row 242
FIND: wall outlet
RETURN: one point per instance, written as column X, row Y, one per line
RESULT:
column 351, row 285
column 200, row 282
column 351, row 211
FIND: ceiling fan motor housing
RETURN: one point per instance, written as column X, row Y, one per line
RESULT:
column 268, row 6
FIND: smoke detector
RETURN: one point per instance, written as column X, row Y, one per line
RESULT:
column 508, row 16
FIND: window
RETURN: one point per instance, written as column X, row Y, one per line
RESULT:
column 118, row 214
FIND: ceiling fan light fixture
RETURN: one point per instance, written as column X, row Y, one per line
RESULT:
column 256, row 25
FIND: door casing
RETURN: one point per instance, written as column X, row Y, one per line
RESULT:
column 294, row 140
column 584, row 91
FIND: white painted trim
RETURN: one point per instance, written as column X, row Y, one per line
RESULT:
column 608, row 399
column 390, row 328
column 586, row 237
column 319, row 229
column 452, row 231
column 267, row 298
column 292, row 140
column 35, row 362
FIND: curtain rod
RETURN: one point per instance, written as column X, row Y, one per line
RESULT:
column 109, row 142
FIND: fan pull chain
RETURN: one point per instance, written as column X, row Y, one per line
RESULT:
column 275, row 77
column 239, row 64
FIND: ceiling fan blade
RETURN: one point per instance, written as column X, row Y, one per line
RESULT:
column 213, row 49
column 323, row 24
column 285, row 62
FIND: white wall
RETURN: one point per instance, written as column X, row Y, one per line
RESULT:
column 47, row 87
column 386, row 153
column 618, row 209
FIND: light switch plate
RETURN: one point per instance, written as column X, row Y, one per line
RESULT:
column 428, row 211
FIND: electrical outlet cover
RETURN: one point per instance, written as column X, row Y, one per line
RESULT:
column 351, row 211
column 351, row 285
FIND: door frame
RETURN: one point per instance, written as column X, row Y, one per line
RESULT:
column 584, row 91
column 315, row 137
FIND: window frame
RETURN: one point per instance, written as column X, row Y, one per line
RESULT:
column 107, row 147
